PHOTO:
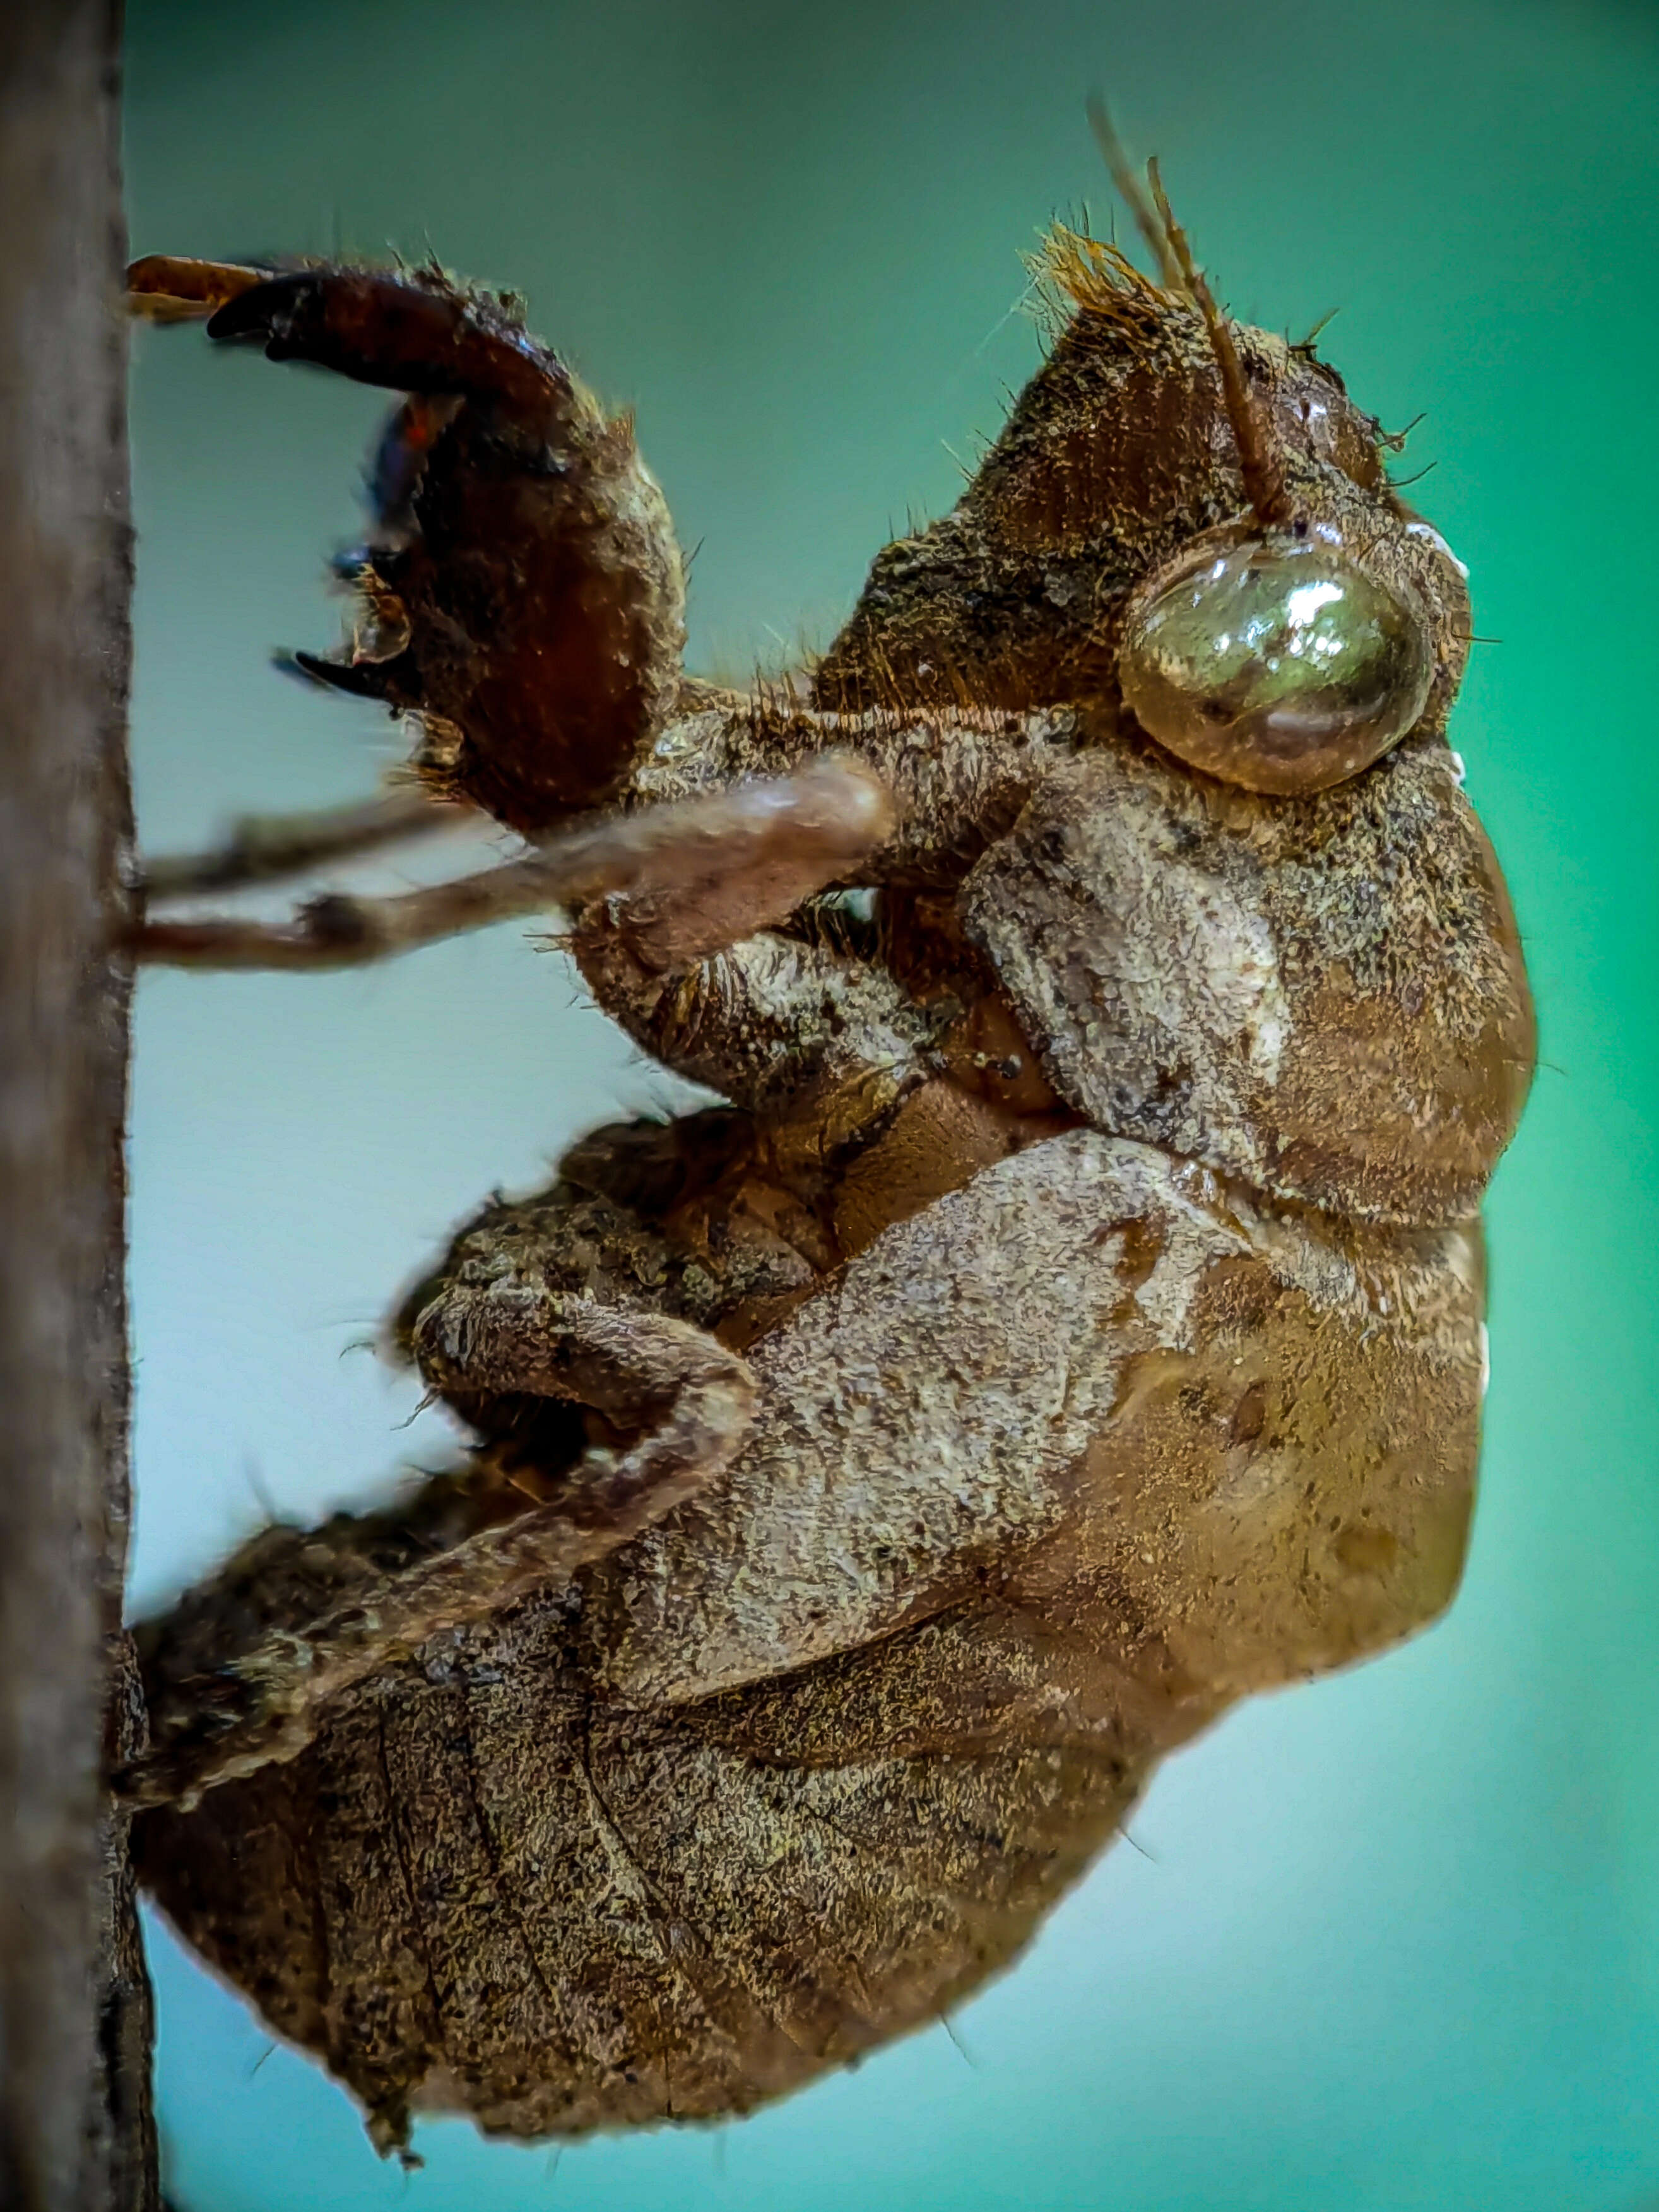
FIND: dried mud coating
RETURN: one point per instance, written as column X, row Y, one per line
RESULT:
column 1095, row 1223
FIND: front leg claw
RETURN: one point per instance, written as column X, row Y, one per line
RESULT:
column 414, row 334
column 524, row 591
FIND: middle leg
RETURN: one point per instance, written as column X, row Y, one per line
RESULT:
column 697, row 874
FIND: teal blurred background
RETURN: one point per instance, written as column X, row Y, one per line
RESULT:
column 1392, row 1944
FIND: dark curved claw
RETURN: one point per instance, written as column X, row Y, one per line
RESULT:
column 400, row 332
column 364, row 679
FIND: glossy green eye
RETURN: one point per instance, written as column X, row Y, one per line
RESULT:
column 1274, row 662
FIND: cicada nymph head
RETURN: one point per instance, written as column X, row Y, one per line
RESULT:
column 1186, row 535
column 1184, row 522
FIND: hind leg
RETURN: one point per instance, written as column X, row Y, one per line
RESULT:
column 684, row 1402
column 574, row 1334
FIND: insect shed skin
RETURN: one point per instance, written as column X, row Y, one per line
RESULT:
column 1071, row 1324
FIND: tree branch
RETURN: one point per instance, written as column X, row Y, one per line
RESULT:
column 74, row 2129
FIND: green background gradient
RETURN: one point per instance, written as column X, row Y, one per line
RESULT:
column 1393, row 1942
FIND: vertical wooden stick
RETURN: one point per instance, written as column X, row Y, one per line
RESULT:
column 74, row 2127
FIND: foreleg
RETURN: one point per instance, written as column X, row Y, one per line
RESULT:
column 522, row 589
column 414, row 332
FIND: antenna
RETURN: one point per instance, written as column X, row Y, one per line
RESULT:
column 1132, row 197
column 1259, row 457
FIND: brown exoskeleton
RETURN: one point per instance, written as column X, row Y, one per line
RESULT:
column 1073, row 1323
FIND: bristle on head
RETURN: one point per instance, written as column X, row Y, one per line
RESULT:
column 1073, row 272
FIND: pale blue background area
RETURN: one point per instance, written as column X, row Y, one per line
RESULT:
column 1396, row 1946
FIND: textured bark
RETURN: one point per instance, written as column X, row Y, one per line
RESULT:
column 74, row 2127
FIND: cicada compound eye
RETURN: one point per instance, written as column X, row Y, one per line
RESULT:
column 1274, row 661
